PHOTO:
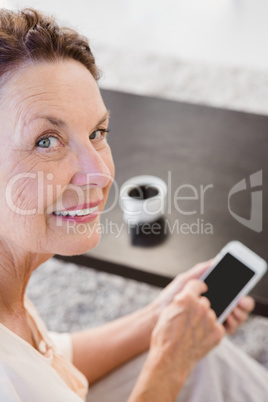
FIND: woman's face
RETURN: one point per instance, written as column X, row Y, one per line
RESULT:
column 54, row 158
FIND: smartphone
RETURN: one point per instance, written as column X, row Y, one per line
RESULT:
column 236, row 270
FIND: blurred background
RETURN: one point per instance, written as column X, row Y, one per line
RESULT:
column 202, row 51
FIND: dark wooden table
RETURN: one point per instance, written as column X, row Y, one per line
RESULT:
column 185, row 144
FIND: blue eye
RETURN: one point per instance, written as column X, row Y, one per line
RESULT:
column 48, row 142
column 98, row 134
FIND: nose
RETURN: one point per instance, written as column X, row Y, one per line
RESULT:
column 92, row 169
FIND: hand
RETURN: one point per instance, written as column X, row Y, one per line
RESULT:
column 186, row 331
column 234, row 320
column 239, row 315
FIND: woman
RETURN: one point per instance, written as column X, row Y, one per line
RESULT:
column 57, row 168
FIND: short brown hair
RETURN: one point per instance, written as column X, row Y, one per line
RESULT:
column 29, row 35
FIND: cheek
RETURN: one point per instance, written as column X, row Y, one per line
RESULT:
column 31, row 193
column 23, row 190
column 21, row 223
column 22, row 194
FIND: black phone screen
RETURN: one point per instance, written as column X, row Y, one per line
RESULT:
column 225, row 282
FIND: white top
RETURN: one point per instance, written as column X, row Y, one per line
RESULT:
column 45, row 375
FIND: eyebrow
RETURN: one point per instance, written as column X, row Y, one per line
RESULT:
column 61, row 123
column 105, row 117
column 54, row 121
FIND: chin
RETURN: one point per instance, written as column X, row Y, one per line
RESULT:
column 78, row 246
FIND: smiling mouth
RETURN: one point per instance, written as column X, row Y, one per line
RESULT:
column 78, row 212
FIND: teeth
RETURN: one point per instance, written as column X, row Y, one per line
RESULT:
column 78, row 212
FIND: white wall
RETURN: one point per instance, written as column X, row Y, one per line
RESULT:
column 225, row 32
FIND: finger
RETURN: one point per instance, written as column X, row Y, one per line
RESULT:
column 247, row 303
column 196, row 287
column 204, row 300
column 204, row 317
column 221, row 331
column 240, row 315
column 212, row 315
column 204, row 310
column 198, row 270
column 215, row 329
column 231, row 324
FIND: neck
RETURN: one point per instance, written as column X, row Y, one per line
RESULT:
column 16, row 267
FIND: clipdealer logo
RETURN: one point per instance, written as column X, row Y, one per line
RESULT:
column 47, row 192
column 255, row 222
